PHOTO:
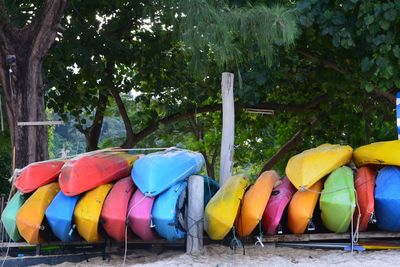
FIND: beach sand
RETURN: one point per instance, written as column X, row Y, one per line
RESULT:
column 217, row 255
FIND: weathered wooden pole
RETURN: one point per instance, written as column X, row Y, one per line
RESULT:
column 228, row 127
column 194, row 241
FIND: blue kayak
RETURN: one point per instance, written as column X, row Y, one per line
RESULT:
column 210, row 188
column 168, row 212
column 387, row 199
column 59, row 215
column 156, row 172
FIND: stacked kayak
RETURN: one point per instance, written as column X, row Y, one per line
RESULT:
column 87, row 212
column 387, row 199
column 115, row 208
column 365, row 185
column 277, row 203
column 156, row 172
column 37, row 174
column 379, row 153
column 30, row 216
column 337, row 200
column 254, row 202
column 60, row 214
column 169, row 212
column 9, row 215
column 301, row 208
column 221, row 210
column 306, row 168
column 90, row 170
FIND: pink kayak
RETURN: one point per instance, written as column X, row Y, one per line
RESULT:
column 115, row 208
column 277, row 203
column 140, row 215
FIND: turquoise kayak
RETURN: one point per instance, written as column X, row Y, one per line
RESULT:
column 337, row 201
column 8, row 217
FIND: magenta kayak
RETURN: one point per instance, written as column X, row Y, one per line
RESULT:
column 140, row 215
column 277, row 203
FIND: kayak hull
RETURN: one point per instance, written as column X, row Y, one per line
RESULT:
column 87, row 212
column 30, row 216
column 387, row 199
column 337, row 201
column 301, row 208
column 156, row 172
column 59, row 214
column 365, row 185
column 90, row 170
column 379, row 153
column 167, row 209
column 306, row 168
column 254, row 203
column 37, row 174
column 221, row 210
column 9, row 215
column 115, row 208
column 277, row 203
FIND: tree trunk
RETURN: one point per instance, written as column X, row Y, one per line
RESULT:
column 23, row 91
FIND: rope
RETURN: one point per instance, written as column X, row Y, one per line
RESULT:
column 126, row 225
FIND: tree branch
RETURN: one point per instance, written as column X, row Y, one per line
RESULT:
column 45, row 25
column 296, row 138
column 327, row 64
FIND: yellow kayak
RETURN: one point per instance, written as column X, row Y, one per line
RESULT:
column 87, row 212
column 30, row 215
column 382, row 153
column 221, row 210
column 254, row 202
column 306, row 168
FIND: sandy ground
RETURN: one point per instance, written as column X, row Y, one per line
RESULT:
column 216, row 255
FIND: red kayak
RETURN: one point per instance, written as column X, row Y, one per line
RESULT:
column 365, row 184
column 90, row 170
column 280, row 198
column 115, row 208
column 38, row 174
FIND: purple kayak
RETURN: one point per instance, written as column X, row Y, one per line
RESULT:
column 140, row 215
column 280, row 198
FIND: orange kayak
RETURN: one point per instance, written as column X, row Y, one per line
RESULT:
column 365, row 184
column 254, row 202
column 37, row 174
column 301, row 208
column 30, row 215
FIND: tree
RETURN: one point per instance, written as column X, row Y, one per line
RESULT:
column 27, row 31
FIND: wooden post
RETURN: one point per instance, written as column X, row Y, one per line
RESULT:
column 228, row 127
column 194, row 242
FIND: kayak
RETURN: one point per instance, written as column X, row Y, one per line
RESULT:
column 301, row 208
column 156, row 172
column 9, row 214
column 87, row 212
column 381, row 153
column 139, row 216
column 90, row 170
column 277, row 203
column 168, row 212
column 306, row 168
column 210, row 188
column 115, row 208
column 221, row 210
column 365, row 186
column 30, row 216
column 337, row 201
column 254, row 202
column 387, row 199
column 59, row 215
column 37, row 174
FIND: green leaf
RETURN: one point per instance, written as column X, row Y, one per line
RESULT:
column 396, row 51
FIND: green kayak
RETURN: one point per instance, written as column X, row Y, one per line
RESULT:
column 337, row 201
column 9, row 215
